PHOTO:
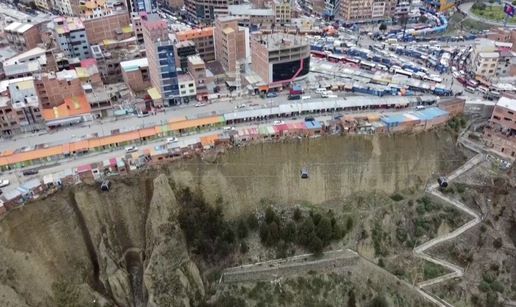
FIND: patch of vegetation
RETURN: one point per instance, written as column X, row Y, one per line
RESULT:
column 495, row 13
column 378, row 236
column 397, row 197
column 401, row 234
column 432, row 270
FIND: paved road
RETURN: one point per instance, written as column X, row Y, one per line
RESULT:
column 466, row 8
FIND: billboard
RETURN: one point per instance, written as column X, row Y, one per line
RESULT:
column 508, row 9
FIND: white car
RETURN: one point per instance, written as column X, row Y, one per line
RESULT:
column 131, row 149
column 455, row 74
column 199, row 104
column 278, row 122
column 4, row 183
column 229, row 128
column 172, row 140
column 240, row 106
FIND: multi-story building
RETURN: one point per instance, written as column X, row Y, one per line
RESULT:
column 159, row 46
column 280, row 58
column 52, row 88
column 46, row 5
column 203, row 40
column 500, row 133
column 136, row 20
column 66, row 7
column 71, row 37
column 22, row 36
column 331, row 9
column 114, row 25
column 250, row 16
column 486, row 64
column 441, row 5
column 197, row 68
column 282, row 11
column 187, row 90
column 176, row 4
column 19, row 106
column 206, row 10
column 108, row 61
column 137, row 6
column 369, row 10
column 506, row 63
column 230, row 42
column 184, row 49
column 36, row 54
column 136, row 74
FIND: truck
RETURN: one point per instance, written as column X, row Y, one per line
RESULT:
column 296, row 90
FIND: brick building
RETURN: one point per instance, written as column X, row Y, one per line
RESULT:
column 500, row 133
column 114, row 26
column 22, row 36
column 230, row 42
column 454, row 106
column 203, row 40
column 197, row 68
column 136, row 74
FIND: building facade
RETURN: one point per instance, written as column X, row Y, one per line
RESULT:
column 208, row 10
column 22, row 36
column 282, row 11
column 280, row 58
column 108, row 27
column 203, row 40
column 197, row 69
column 230, row 42
column 160, row 50
column 136, row 74
column 187, row 89
column 71, row 37
column 184, row 49
column 369, row 10
column 500, row 133
column 486, row 64
column 250, row 16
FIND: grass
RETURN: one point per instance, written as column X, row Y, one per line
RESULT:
column 492, row 13
column 309, row 206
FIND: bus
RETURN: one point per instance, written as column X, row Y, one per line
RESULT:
column 335, row 58
column 403, row 73
column 367, row 65
column 318, row 54
column 351, row 61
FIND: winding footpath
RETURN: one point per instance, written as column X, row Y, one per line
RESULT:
column 477, row 218
column 466, row 8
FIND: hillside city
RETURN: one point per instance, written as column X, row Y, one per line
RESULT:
column 92, row 91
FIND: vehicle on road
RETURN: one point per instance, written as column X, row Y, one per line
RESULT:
column 469, row 89
column 309, row 119
column 30, row 172
column 306, row 97
column 131, row 149
column 143, row 114
column 254, row 104
column 338, row 116
column 240, row 106
column 455, row 74
column 4, row 183
column 461, row 80
column 304, row 173
column 271, row 95
column 278, row 122
column 294, row 97
column 199, row 104
column 172, row 140
column 229, row 128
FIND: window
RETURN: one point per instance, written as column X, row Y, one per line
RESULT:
column 82, row 35
column 493, row 65
column 491, row 71
column 191, row 91
column 190, row 85
column 183, row 92
column 182, row 86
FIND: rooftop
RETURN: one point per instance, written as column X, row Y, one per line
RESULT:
column 227, row 18
column 507, row 102
column 277, row 41
column 67, row 24
column 194, row 33
column 184, row 78
column 228, row 30
column 29, row 55
column 195, row 60
column 18, row 27
column 489, row 54
column 249, row 9
column 24, row 68
column 71, row 106
column 134, row 64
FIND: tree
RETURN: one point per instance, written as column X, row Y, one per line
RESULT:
column 297, row 214
column 423, row 19
column 252, row 221
column 264, row 231
column 379, row 301
column 274, row 231
column 349, row 223
column 316, row 218
column 383, row 27
column 315, row 245
column 304, row 231
column 336, row 232
column 290, row 232
column 243, row 247
column 352, row 301
column 242, row 230
column 324, row 230
column 270, row 215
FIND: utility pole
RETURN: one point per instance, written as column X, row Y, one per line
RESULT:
column 406, row 21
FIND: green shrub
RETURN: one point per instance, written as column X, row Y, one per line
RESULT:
column 381, row 263
column 432, row 270
column 497, row 286
column 488, row 277
column 491, row 298
column 252, row 221
column 397, row 197
column 401, row 234
column 400, row 272
column 297, row 214
column 483, row 228
column 421, row 209
column 243, row 247
column 484, row 287
column 420, row 231
column 461, row 188
column 410, row 202
column 349, row 223
column 242, row 230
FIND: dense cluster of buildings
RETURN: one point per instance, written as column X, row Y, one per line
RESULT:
column 500, row 132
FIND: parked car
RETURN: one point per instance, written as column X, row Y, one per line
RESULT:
column 278, row 122
column 30, row 172
column 172, row 140
column 461, row 80
column 337, row 116
column 143, row 114
column 199, row 104
column 271, row 95
column 131, row 149
column 229, row 128
column 240, row 106
column 309, row 119
column 4, row 183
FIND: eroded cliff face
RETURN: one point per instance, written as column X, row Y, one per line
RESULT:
column 124, row 247
column 337, row 167
column 119, row 248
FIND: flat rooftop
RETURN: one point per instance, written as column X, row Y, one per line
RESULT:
column 29, row 55
column 489, row 54
column 195, row 60
column 507, row 102
column 249, row 9
column 134, row 64
column 277, row 41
